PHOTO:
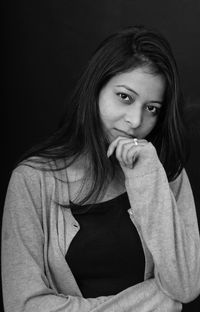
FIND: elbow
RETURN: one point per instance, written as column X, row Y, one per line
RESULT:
column 184, row 289
column 184, row 295
column 188, row 290
column 188, row 297
column 192, row 284
column 191, row 292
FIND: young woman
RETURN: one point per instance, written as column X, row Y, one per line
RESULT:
column 101, row 216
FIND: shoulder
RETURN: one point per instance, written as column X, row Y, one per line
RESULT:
column 33, row 176
column 35, row 184
column 32, row 169
column 181, row 185
column 46, row 175
column 181, row 178
column 36, row 167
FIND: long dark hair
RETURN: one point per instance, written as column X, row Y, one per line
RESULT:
column 81, row 130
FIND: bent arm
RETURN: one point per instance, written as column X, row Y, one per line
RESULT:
column 167, row 221
column 25, row 284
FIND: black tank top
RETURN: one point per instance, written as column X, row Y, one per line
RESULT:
column 106, row 255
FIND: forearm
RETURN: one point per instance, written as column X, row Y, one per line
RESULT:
column 143, row 297
column 173, row 243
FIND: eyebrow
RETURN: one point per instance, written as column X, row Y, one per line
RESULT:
column 133, row 91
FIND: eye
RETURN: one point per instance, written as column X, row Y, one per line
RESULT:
column 153, row 109
column 125, row 97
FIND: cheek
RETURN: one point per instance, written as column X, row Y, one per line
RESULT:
column 104, row 114
column 104, row 110
column 153, row 123
column 103, row 107
column 149, row 124
column 108, row 112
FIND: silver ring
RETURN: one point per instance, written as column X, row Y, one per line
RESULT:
column 135, row 140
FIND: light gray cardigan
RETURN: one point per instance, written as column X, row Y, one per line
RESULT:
column 37, row 232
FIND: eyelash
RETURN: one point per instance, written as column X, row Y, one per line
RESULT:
column 131, row 100
column 156, row 110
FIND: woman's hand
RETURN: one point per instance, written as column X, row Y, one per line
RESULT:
column 132, row 153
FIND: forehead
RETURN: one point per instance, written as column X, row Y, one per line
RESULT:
column 141, row 80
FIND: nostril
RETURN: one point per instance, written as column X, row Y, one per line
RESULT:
column 134, row 118
column 135, row 123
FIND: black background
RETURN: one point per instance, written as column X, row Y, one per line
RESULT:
column 45, row 45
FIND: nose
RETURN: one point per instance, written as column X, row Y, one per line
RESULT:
column 134, row 116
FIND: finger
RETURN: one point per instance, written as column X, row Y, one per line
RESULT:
column 124, row 140
column 114, row 144
column 122, row 150
column 124, row 145
column 132, row 155
column 142, row 141
column 121, row 146
column 125, row 149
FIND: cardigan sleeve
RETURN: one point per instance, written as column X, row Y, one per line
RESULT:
column 25, row 285
column 166, row 218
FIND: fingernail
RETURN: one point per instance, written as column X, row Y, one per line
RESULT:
column 108, row 154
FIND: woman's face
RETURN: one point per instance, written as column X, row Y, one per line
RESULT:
column 130, row 102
